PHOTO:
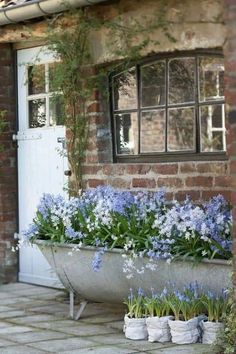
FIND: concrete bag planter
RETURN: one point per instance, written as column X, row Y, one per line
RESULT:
column 158, row 329
column 135, row 328
column 210, row 331
column 110, row 284
column 184, row 332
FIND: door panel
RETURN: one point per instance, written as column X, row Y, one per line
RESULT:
column 41, row 167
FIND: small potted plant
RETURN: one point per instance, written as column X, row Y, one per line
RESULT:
column 135, row 320
column 216, row 308
column 158, row 312
column 184, row 327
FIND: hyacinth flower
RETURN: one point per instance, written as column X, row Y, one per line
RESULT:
column 135, row 304
column 216, row 307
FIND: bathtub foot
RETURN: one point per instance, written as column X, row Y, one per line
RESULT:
column 81, row 309
column 72, row 307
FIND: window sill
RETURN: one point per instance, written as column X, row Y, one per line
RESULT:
column 171, row 158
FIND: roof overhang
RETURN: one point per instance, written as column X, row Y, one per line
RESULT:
column 38, row 8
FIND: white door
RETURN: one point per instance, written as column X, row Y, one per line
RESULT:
column 41, row 163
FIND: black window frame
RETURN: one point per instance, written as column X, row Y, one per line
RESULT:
column 165, row 156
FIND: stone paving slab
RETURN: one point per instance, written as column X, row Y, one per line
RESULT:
column 36, row 336
column 101, row 350
column 21, row 350
column 35, row 320
column 60, row 345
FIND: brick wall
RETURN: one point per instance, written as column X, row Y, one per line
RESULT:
column 230, row 93
column 200, row 180
column 8, row 189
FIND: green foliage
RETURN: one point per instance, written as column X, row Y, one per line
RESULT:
column 226, row 341
column 75, row 78
column 136, row 304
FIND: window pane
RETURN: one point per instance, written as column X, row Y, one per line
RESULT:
column 54, row 71
column 181, row 129
column 56, row 115
column 124, row 90
column 153, row 89
column 153, row 131
column 212, row 128
column 37, row 113
column 211, row 76
column 127, row 133
column 181, row 80
column 36, row 79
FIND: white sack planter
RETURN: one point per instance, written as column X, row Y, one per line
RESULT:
column 135, row 328
column 210, row 331
column 110, row 284
column 184, row 332
column 158, row 329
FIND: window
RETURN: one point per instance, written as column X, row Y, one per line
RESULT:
column 44, row 107
column 170, row 107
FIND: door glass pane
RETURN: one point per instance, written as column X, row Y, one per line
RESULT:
column 181, row 129
column 212, row 128
column 36, row 79
column 124, row 90
column 37, row 113
column 153, row 86
column 153, row 131
column 211, row 77
column 56, row 114
column 181, row 80
column 53, row 70
column 127, row 133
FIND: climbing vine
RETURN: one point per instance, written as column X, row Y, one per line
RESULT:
column 75, row 78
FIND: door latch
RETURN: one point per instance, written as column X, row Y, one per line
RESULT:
column 62, row 141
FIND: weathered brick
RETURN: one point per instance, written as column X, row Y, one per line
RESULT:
column 199, row 181
column 143, row 183
column 207, row 194
column 138, row 169
column 93, row 183
column 187, row 167
column 195, row 195
column 114, row 169
column 222, row 181
column 172, row 182
column 165, row 169
column 94, row 107
column 120, row 183
column 91, row 169
column 212, row 167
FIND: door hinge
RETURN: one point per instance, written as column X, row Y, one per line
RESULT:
column 24, row 136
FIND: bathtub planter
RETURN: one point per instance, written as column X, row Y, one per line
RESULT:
column 158, row 329
column 110, row 284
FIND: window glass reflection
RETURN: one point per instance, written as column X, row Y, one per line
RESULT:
column 181, row 80
column 124, row 90
column 181, row 129
column 153, row 87
column 153, row 131
column 36, row 79
column 211, row 77
column 212, row 128
column 37, row 113
column 127, row 133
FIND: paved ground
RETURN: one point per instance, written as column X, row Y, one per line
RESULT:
column 35, row 320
